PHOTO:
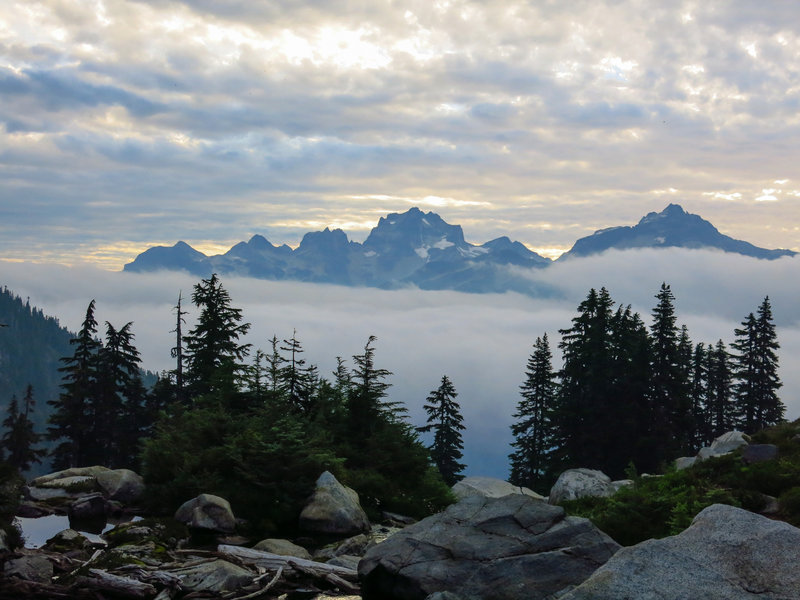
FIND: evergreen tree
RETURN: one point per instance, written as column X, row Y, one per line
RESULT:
column 366, row 402
column 585, row 394
column 274, row 362
column 177, row 351
column 755, row 366
column 71, row 411
column 670, row 380
column 719, row 392
column 20, row 439
column 534, row 440
column 701, row 427
column 296, row 378
column 446, row 422
column 214, row 353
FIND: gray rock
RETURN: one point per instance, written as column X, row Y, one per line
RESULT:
column 51, row 480
column 122, row 485
column 215, row 576
column 31, row 510
column 756, row 453
column 493, row 548
column 345, row 560
column 333, row 509
column 580, row 483
column 4, row 547
column 207, row 511
column 621, row 483
column 726, row 554
column 92, row 506
column 489, row 487
column 724, row 444
column 684, row 462
column 282, row 547
column 31, row 567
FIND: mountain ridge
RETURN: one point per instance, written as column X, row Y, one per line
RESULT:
column 420, row 249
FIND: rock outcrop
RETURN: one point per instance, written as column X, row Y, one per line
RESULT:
column 333, row 509
column 499, row 548
column 726, row 554
column 489, row 487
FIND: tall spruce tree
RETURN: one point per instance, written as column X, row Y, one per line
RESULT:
column 69, row 421
column 366, row 401
column 755, row 367
column 446, row 422
column 585, row 394
column 19, row 439
column 701, row 425
column 214, row 354
column 670, row 380
column 532, row 462
column 719, row 391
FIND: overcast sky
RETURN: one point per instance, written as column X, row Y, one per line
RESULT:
column 125, row 124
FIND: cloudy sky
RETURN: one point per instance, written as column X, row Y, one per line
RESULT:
column 125, row 124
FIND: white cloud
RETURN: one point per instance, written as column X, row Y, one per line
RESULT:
column 481, row 342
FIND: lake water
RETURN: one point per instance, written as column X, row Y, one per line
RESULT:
column 37, row 531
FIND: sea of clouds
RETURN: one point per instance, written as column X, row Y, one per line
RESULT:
column 480, row 341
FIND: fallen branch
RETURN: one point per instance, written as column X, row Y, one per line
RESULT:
column 122, row 586
column 274, row 562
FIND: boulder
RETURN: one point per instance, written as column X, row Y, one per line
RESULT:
column 618, row 484
column 30, row 567
column 499, row 548
column 755, row 453
column 489, row 487
column 282, row 547
column 92, row 506
column 52, row 479
column 684, row 462
column 726, row 554
column 207, row 511
column 215, row 576
column 333, row 509
column 580, row 483
column 121, row 485
column 724, row 444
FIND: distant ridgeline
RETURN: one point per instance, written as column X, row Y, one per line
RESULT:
column 422, row 250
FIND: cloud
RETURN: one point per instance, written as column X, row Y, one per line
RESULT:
column 481, row 342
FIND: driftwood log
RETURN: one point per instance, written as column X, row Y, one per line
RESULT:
column 273, row 562
column 125, row 587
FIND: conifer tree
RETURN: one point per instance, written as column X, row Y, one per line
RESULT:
column 670, row 383
column 214, row 355
column 20, row 439
column 701, row 425
column 719, row 392
column 177, row 352
column 534, row 439
column 367, row 404
column 755, row 366
column 68, row 422
column 297, row 379
column 446, row 422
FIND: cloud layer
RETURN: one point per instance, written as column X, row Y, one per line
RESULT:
column 481, row 342
column 126, row 124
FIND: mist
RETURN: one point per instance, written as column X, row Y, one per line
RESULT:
column 480, row 341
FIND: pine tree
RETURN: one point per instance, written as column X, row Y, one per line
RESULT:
column 177, row 352
column 214, row 355
column 755, row 366
column 446, row 422
column 534, row 439
column 296, row 378
column 701, row 427
column 20, row 439
column 72, row 410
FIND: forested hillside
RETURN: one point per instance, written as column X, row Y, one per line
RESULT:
column 31, row 346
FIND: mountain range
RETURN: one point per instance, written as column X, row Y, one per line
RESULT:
column 420, row 249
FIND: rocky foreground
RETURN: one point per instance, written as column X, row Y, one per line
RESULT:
column 498, row 542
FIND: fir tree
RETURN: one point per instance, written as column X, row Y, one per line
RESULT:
column 20, row 439
column 701, row 425
column 214, row 355
column 446, row 422
column 534, row 440
column 719, row 392
column 366, row 403
column 755, row 366
column 69, row 421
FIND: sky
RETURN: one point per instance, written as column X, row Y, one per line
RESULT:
column 127, row 124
